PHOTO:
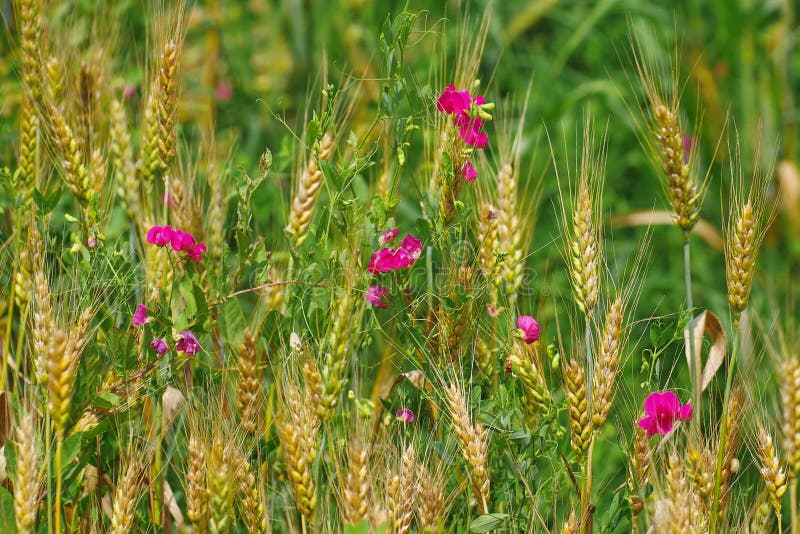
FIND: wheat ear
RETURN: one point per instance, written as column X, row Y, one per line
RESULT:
column 308, row 187
column 580, row 424
column 527, row 366
column 473, row 438
column 401, row 489
column 126, row 495
column 248, row 395
column 197, row 494
column 607, row 366
column 221, row 487
column 26, row 488
column 790, row 404
column 431, row 501
column 297, row 427
column 356, row 491
column 772, row 471
column 249, row 495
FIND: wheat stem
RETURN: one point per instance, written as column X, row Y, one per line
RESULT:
column 694, row 364
column 793, row 504
column 723, row 435
column 57, row 512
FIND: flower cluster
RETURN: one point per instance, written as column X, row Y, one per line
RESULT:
column 663, row 408
column 391, row 259
column 469, row 115
column 187, row 343
column 179, row 240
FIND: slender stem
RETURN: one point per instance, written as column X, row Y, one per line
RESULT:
column 587, row 490
column 57, row 513
column 48, row 448
column 723, row 434
column 793, row 504
column 303, row 523
column 7, row 340
column 587, row 333
column 694, row 363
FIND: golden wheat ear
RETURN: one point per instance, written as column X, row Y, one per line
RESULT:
column 26, row 486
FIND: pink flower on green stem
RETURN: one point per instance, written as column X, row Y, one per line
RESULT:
column 468, row 172
column 663, row 408
column 179, row 240
column 140, row 315
column 389, row 259
column 528, row 328
column 453, row 101
column 405, row 415
column 160, row 346
column 376, row 295
column 188, row 343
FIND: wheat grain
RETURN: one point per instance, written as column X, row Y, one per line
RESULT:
column 474, row 441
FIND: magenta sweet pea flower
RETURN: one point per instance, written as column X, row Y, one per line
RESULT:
column 387, row 236
column 528, row 328
column 453, row 101
column 182, row 240
column 188, row 343
column 140, row 315
column 160, row 346
column 412, row 246
column 196, row 253
column 376, row 295
column 405, row 415
column 389, row 259
column 159, row 235
column 468, row 172
column 663, row 408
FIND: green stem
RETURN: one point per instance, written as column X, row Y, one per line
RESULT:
column 586, row 513
column 694, row 364
column 793, row 504
column 57, row 512
column 723, row 435
column 587, row 338
column 7, row 341
column 48, row 448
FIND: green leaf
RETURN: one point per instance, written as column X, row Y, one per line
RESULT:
column 487, row 522
column 7, row 521
column 106, row 400
column 71, row 448
column 362, row 527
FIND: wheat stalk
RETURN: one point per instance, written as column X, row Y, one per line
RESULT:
column 249, row 495
column 126, row 495
column 607, row 367
column 401, row 489
column 772, row 471
column 307, row 191
column 26, row 488
column 356, row 491
column 474, row 441
column 580, row 424
column 297, row 427
column 248, row 395
column 197, row 494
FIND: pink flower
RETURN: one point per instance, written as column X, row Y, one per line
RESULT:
column 223, row 92
column 452, row 101
column 160, row 346
column 470, row 130
column 412, row 246
column 663, row 408
column 468, row 172
column 140, row 316
column 528, row 328
column 387, row 236
column 159, row 235
column 405, row 415
column 196, row 253
column 188, row 343
column 182, row 240
column 376, row 295
column 389, row 259
column 129, row 92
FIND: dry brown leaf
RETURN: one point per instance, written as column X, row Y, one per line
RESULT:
column 707, row 324
column 171, row 403
column 704, row 229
